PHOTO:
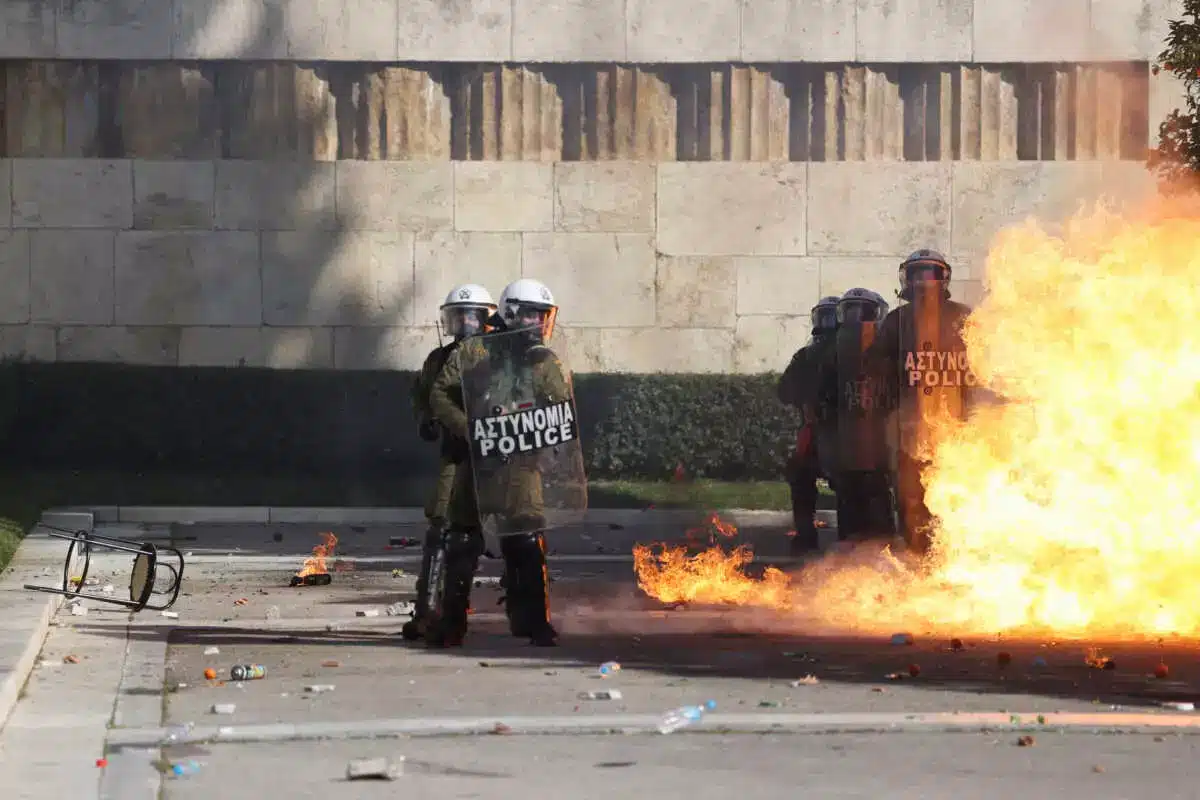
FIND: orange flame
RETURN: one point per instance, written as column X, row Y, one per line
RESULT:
column 1070, row 509
column 315, row 564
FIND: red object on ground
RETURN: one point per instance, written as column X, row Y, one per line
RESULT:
column 914, row 669
column 1003, row 659
column 1162, row 671
column 101, row 762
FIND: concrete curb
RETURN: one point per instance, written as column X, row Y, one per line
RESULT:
column 644, row 723
column 28, row 617
column 626, row 517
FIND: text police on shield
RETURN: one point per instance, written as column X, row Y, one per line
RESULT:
column 524, row 431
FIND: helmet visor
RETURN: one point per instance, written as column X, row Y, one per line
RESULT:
column 854, row 311
column 824, row 318
column 529, row 317
column 463, row 321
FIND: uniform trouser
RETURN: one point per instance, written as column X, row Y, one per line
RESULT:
column 863, row 504
column 803, row 469
column 914, row 515
column 435, row 511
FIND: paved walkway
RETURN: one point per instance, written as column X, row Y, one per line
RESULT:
column 110, row 686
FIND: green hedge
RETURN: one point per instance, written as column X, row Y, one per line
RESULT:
column 82, row 416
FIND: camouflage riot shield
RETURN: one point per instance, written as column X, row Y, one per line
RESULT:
column 935, row 378
column 526, row 454
column 864, row 507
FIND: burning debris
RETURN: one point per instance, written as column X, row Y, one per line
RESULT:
column 1070, row 507
column 314, row 571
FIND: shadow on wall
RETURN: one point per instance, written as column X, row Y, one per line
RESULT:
column 331, row 291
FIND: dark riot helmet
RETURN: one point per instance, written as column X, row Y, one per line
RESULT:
column 824, row 315
column 924, row 266
column 861, row 305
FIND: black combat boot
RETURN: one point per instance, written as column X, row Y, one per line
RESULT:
column 414, row 629
column 527, row 598
column 447, row 626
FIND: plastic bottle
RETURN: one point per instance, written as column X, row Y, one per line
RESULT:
column 177, row 733
column 184, row 768
column 608, row 668
column 248, row 672
column 683, row 716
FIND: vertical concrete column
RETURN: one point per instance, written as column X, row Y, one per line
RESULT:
column 832, row 113
column 883, row 114
column 406, row 115
column 506, row 113
column 654, row 116
column 1085, row 106
column 997, row 113
column 1064, row 106
column 167, row 110
column 758, row 115
column 948, row 143
column 854, row 113
column 279, row 110
column 970, row 112
column 52, row 109
column 1110, row 110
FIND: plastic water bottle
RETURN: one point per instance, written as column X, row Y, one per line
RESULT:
column 608, row 668
column 184, row 768
column 683, row 716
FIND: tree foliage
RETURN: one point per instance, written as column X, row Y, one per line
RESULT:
column 1176, row 159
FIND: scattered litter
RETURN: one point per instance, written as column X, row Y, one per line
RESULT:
column 369, row 612
column 1159, row 739
column 1003, row 659
column 1179, row 706
column 330, row 664
column 1025, row 741
column 767, row 704
column 807, row 680
column 1095, row 660
column 277, row 537
column 902, row 639
column 273, row 613
column 501, row 729
column 102, row 762
column 608, row 694
column 212, row 651
column 107, row 588
column 894, row 676
column 225, row 730
column 403, row 541
column 78, row 609
column 241, row 601
column 399, row 609
column 210, row 674
column 397, row 573
column 333, row 627
column 1097, row 768
column 224, row 708
column 914, row 670
column 71, row 659
column 319, row 688
column 956, row 645
column 1039, row 662
column 487, row 580
column 379, row 769
column 1162, row 671
column 608, row 668
column 248, row 672
column 170, row 614
column 878, row 689
column 184, row 768
column 683, row 716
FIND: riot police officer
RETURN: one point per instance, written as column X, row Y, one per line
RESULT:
column 920, row 354
column 464, row 313
column 806, row 385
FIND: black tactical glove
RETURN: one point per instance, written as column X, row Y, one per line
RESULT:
column 429, row 431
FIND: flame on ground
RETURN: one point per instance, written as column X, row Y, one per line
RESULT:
column 1070, row 508
column 315, row 564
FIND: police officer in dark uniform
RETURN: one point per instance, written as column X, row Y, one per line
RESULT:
column 920, row 353
column 808, row 384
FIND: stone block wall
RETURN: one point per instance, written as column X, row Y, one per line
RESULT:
column 297, row 183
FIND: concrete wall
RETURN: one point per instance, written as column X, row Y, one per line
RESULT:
column 645, row 31
column 679, row 266
column 297, row 183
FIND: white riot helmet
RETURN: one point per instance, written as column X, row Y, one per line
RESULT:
column 466, row 310
column 861, row 305
column 527, row 304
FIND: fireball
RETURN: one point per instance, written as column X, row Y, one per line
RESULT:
column 1072, row 506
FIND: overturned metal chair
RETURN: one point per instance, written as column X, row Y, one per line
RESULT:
column 143, row 575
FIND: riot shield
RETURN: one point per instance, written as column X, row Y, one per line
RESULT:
column 526, row 454
column 862, row 402
column 935, row 378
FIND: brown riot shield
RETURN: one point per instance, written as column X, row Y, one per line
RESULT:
column 526, row 451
